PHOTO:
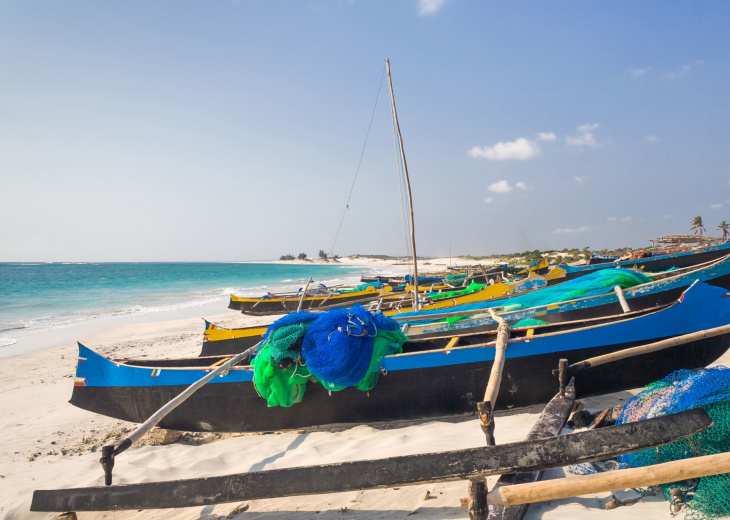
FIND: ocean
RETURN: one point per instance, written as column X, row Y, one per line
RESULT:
column 41, row 297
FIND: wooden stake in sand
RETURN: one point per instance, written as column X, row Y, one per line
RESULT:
column 485, row 408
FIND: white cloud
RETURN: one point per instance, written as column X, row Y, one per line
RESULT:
column 585, row 136
column 521, row 186
column 521, row 149
column 500, row 187
column 570, row 230
column 611, row 219
column 651, row 138
column 429, row 7
column 715, row 206
column 626, row 220
column 683, row 70
column 488, row 200
column 637, row 73
column 667, row 217
column 546, row 136
column 580, row 180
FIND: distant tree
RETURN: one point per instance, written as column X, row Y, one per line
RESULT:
column 697, row 225
column 302, row 256
column 286, row 257
column 725, row 228
column 322, row 254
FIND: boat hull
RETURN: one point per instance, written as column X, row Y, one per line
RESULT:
column 403, row 395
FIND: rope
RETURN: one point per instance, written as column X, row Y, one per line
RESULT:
column 357, row 170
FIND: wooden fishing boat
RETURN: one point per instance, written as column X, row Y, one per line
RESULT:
column 388, row 300
column 283, row 304
column 656, row 263
column 665, row 288
column 422, row 382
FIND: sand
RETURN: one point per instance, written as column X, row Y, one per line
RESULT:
column 46, row 443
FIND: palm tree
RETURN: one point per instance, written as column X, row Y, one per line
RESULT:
column 697, row 225
column 724, row 227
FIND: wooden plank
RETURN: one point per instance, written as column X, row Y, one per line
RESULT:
column 533, row 455
column 674, row 471
column 549, row 424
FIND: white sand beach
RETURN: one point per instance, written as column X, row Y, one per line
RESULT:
column 46, row 443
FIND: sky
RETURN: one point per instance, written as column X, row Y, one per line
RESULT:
column 233, row 130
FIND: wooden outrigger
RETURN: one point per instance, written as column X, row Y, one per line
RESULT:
column 531, row 455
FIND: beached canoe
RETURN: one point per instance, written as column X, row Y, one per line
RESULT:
column 415, row 384
column 665, row 288
column 656, row 263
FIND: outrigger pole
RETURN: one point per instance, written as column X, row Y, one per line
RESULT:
column 416, row 304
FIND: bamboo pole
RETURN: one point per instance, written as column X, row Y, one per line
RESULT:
column 416, row 304
column 651, row 347
column 109, row 452
column 621, row 479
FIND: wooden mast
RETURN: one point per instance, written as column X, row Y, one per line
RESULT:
column 416, row 305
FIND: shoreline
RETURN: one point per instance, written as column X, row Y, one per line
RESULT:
column 57, row 335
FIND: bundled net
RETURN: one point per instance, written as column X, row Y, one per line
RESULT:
column 337, row 348
column 709, row 497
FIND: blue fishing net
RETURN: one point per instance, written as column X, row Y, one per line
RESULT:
column 337, row 348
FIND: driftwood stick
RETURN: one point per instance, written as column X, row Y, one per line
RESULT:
column 621, row 479
column 621, row 298
column 651, row 347
column 303, row 295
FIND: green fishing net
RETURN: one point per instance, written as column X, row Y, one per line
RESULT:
column 707, row 497
column 281, row 374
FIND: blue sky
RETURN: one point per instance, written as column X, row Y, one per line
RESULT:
column 223, row 131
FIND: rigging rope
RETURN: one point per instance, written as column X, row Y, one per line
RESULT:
column 357, row 170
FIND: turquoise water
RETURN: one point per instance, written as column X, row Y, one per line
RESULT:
column 37, row 297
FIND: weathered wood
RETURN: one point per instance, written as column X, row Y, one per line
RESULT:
column 549, row 424
column 485, row 408
column 562, row 374
column 304, row 295
column 477, row 498
column 612, row 480
column 651, row 347
column 533, row 455
column 416, row 304
column 500, row 346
